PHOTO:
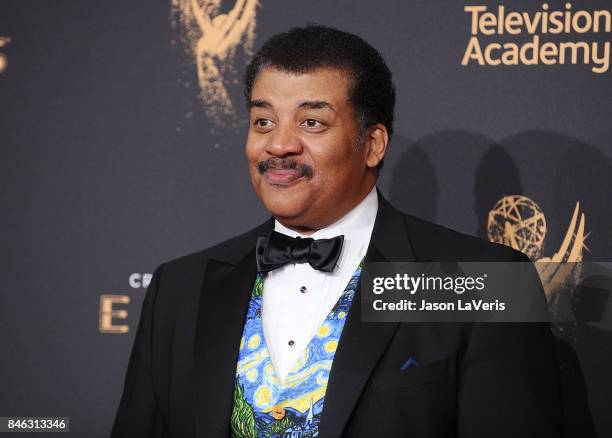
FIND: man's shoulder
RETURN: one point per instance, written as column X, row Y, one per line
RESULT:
column 230, row 250
column 429, row 240
column 432, row 241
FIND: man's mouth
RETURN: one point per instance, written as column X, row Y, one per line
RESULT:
column 282, row 176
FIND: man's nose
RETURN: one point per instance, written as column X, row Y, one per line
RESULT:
column 284, row 141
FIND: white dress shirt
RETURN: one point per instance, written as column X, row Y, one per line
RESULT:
column 297, row 298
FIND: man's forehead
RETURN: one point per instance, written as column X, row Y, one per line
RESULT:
column 321, row 88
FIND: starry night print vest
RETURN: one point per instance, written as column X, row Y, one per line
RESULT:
column 264, row 406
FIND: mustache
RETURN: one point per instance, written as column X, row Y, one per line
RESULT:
column 283, row 164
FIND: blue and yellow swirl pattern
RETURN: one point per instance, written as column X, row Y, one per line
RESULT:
column 265, row 406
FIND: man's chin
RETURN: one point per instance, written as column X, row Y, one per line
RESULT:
column 284, row 206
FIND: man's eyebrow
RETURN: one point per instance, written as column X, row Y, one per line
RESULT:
column 309, row 104
column 316, row 104
column 259, row 103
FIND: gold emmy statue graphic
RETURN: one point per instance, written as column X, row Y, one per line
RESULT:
column 3, row 59
column 519, row 222
column 213, row 38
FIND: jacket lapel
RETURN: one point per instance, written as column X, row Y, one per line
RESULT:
column 362, row 344
column 224, row 300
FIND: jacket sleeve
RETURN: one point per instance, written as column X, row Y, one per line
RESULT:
column 138, row 415
column 509, row 381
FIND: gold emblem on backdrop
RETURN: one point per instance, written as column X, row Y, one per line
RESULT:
column 4, row 40
column 519, row 222
column 213, row 38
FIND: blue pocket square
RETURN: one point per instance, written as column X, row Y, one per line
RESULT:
column 411, row 362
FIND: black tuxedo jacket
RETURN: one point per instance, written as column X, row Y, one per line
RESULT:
column 475, row 380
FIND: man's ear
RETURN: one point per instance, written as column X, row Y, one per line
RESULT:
column 377, row 138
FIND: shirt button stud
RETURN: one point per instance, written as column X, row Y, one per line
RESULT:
column 303, row 289
column 291, row 343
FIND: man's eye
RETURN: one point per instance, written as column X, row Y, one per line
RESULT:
column 263, row 123
column 312, row 123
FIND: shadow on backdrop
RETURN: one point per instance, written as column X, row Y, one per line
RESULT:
column 412, row 181
column 559, row 172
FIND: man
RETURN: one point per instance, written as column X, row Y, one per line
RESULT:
column 261, row 335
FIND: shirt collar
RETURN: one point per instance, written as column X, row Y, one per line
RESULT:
column 356, row 225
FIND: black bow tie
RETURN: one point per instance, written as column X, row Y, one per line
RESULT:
column 279, row 249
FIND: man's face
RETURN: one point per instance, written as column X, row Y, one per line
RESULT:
column 302, row 147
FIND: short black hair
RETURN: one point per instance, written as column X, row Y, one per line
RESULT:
column 304, row 49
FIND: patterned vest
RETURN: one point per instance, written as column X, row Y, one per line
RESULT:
column 264, row 406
